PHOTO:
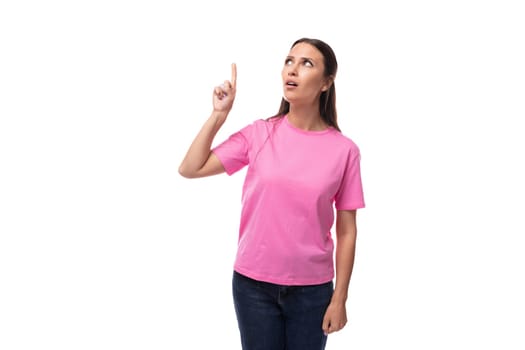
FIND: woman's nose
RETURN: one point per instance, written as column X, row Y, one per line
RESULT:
column 292, row 71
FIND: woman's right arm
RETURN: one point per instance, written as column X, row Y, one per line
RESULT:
column 200, row 160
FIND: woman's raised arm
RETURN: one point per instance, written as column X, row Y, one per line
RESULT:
column 199, row 160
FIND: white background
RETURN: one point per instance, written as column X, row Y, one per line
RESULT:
column 104, row 246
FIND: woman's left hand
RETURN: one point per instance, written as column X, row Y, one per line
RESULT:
column 334, row 317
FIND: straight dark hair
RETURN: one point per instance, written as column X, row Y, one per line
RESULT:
column 327, row 107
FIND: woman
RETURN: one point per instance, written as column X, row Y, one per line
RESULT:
column 300, row 167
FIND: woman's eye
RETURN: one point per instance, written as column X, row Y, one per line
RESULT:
column 288, row 61
column 308, row 64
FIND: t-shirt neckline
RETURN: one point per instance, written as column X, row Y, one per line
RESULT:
column 306, row 132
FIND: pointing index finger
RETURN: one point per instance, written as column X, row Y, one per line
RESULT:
column 234, row 75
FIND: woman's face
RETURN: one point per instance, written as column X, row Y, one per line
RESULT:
column 303, row 75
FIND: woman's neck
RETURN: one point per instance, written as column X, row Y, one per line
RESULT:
column 307, row 119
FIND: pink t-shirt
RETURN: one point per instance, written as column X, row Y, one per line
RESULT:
column 294, row 180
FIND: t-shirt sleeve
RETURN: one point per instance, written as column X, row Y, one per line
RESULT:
column 233, row 152
column 350, row 194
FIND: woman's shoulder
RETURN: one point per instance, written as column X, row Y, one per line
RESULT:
column 259, row 127
column 346, row 141
column 264, row 124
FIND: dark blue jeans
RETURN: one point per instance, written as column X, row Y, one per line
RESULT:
column 277, row 317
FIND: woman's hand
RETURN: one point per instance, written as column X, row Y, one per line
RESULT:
column 334, row 317
column 224, row 95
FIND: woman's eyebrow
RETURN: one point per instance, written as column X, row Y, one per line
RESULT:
column 303, row 58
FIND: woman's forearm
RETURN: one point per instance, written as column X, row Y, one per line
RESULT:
column 198, row 160
column 344, row 264
column 199, row 150
column 345, row 253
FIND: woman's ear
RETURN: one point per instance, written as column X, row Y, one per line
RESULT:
column 328, row 82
